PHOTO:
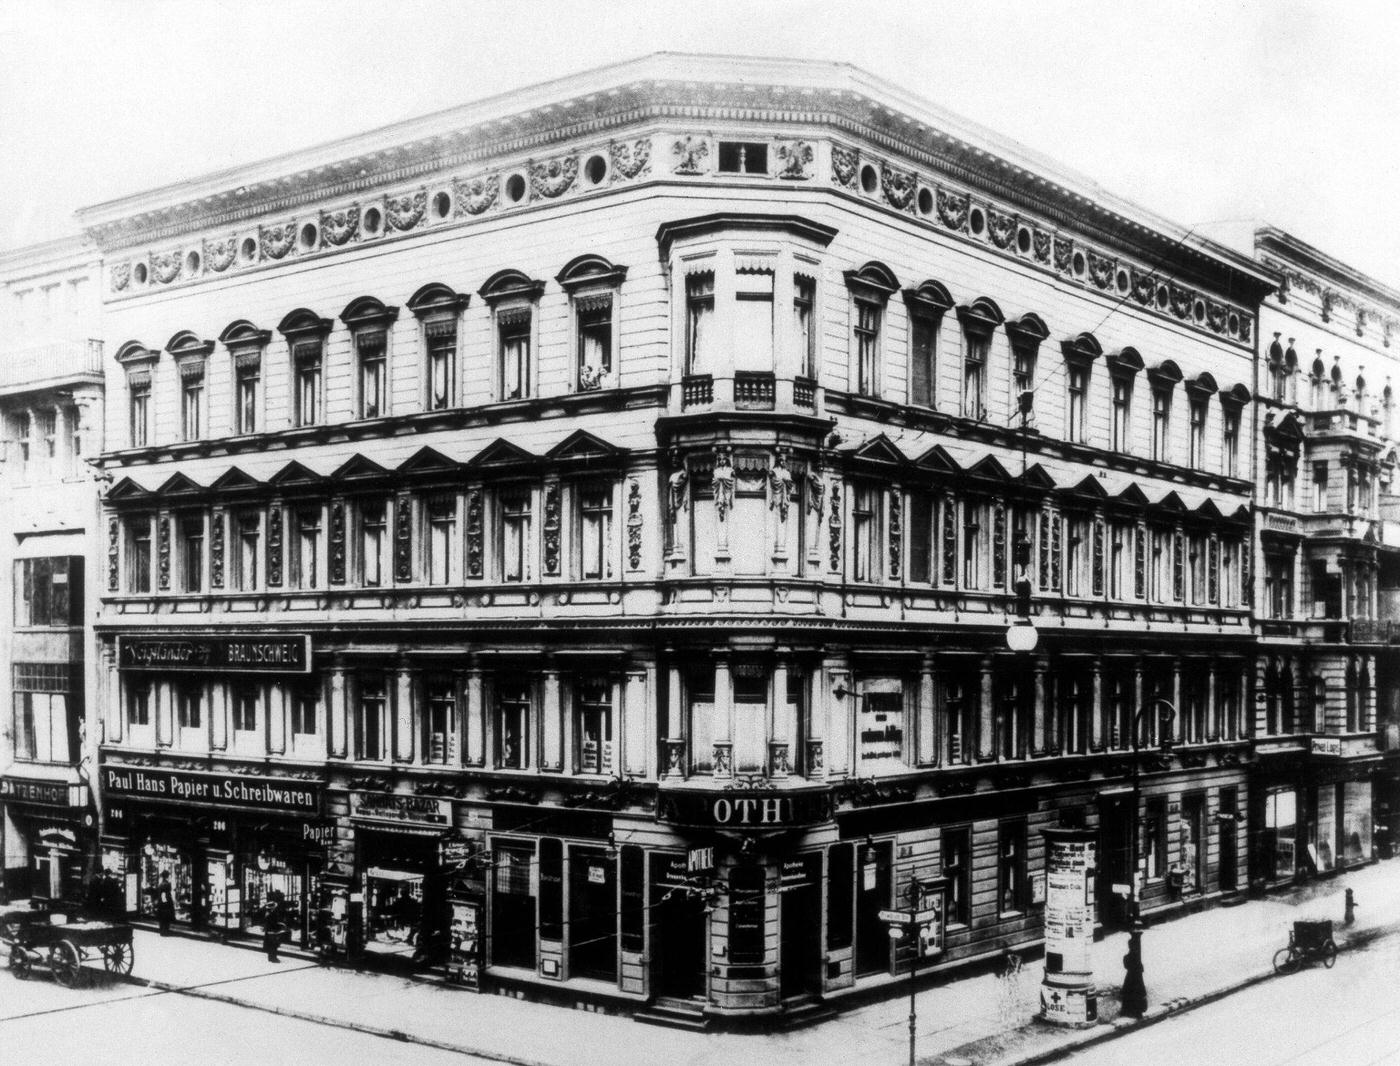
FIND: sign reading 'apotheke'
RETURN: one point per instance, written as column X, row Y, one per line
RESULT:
column 282, row 654
column 222, row 790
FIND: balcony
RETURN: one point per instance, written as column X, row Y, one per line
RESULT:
column 1340, row 422
column 1277, row 522
column 53, row 363
column 804, row 393
column 754, row 390
column 697, row 389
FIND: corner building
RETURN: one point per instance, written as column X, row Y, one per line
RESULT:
column 585, row 525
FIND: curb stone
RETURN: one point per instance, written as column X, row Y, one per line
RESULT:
column 397, row 1035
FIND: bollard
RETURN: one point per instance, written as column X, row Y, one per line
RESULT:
column 1349, row 917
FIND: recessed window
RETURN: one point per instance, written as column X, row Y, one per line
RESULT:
column 869, row 180
column 1078, row 264
column 139, row 273
column 1122, row 281
column 248, row 250
column 595, row 532
column 595, row 170
column 1023, row 240
column 595, row 331
column 441, row 516
column 743, row 157
column 306, row 359
column 593, row 725
column 192, row 263
column 309, row 237
column 247, row 531
column 373, row 221
column 514, row 536
column 192, row 399
column 1199, row 311
column 247, row 376
column 374, row 543
column 191, row 530
column 699, row 312
column 512, row 718
column 138, row 553
column 977, row 221
column 1164, row 298
column 139, row 397
column 442, row 362
column 515, row 188
column 372, row 347
column 442, row 205
column 925, row 201
column 513, row 335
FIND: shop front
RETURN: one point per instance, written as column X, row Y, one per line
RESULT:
column 400, row 879
column 226, row 841
column 50, row 812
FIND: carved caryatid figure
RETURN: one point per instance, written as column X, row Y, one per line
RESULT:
column 722, row 482
column 677, row 488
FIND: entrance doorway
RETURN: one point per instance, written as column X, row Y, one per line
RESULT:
column 592, row 914
column 873, row 883
column 801, row 901
column 1115, row 847
column 677, row 931
column 1229, row 843
column 513, row 907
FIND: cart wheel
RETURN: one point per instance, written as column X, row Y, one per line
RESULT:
column 63, row 961
column 1285, row 960
column 19, row 962
column 1329, row 954
column 118, row 958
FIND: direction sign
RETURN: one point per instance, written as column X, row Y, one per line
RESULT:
column 911, row 918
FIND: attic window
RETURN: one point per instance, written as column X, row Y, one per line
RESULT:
column 743, row 157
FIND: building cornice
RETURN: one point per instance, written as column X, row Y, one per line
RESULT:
column 668, row 87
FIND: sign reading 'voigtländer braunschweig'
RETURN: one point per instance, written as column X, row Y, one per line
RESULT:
column 281, row 653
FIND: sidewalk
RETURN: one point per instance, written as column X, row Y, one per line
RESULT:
column 979, row 1019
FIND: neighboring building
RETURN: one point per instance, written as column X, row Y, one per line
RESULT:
column 591, row 520
column 1329, row 530
column 51, row 413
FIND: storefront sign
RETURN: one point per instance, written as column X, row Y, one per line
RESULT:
column 43, row 793
column 322, row 834
column 457, row 852
column 396, row 807
column 795, row 874
column 281, row 654
column 1327, row 746
column 700, row 860
column 221, row 790
column 745, row 810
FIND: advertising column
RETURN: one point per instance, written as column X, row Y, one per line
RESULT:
column 1067, row 992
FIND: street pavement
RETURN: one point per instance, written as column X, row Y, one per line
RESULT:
column 1317, row 1017
column 982, row 1019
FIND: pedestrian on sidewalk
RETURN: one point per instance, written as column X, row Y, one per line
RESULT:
column 165, row 904
column 274, row 925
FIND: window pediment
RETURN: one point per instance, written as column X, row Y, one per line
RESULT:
column 368, row 313
column 435, row 298
column 511, row 285
column 587, row 271
column 304, row 325
column 243, row 334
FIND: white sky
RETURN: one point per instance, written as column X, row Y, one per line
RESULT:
column 1215, row 114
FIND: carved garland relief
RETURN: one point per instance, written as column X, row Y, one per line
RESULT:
column 337, row 552
column 552, row 177
column 274, row 546
column 340, row 227
column 113, row 539
column 474, row 536
column 551, row 530
column 634, row 525
column 218, row 255
column 405, row 212
column 478, row 194
column 403, row 540
column 627, row 161
column 216, row 550
column 277, row 241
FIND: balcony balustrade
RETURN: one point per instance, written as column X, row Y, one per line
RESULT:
column 48, row 364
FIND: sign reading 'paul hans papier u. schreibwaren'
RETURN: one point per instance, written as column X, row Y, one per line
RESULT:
column 244, row 653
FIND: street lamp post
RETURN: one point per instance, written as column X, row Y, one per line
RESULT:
column 1134, row 995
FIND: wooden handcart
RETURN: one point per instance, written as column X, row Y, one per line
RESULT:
column 62, row 949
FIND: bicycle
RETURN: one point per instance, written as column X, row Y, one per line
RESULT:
column 1307, row 941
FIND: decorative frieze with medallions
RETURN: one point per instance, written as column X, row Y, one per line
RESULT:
column 276, row 241
column 1001, row 227
column 219, row 254
column 794, row 157
column 898, row 186
column 166, row 266
column 340, row 227
column 551, row 178
column 629, row 160
column 405, row 212
column 478, row 194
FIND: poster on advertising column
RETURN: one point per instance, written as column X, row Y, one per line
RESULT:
column 1069, row 904
column 1067, row 993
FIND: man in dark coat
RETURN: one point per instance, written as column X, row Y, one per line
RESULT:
column 165, row 904
column 274, row 925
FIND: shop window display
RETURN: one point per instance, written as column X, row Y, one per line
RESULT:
column 267, row 876
column 157, row 859
column 393, row 910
